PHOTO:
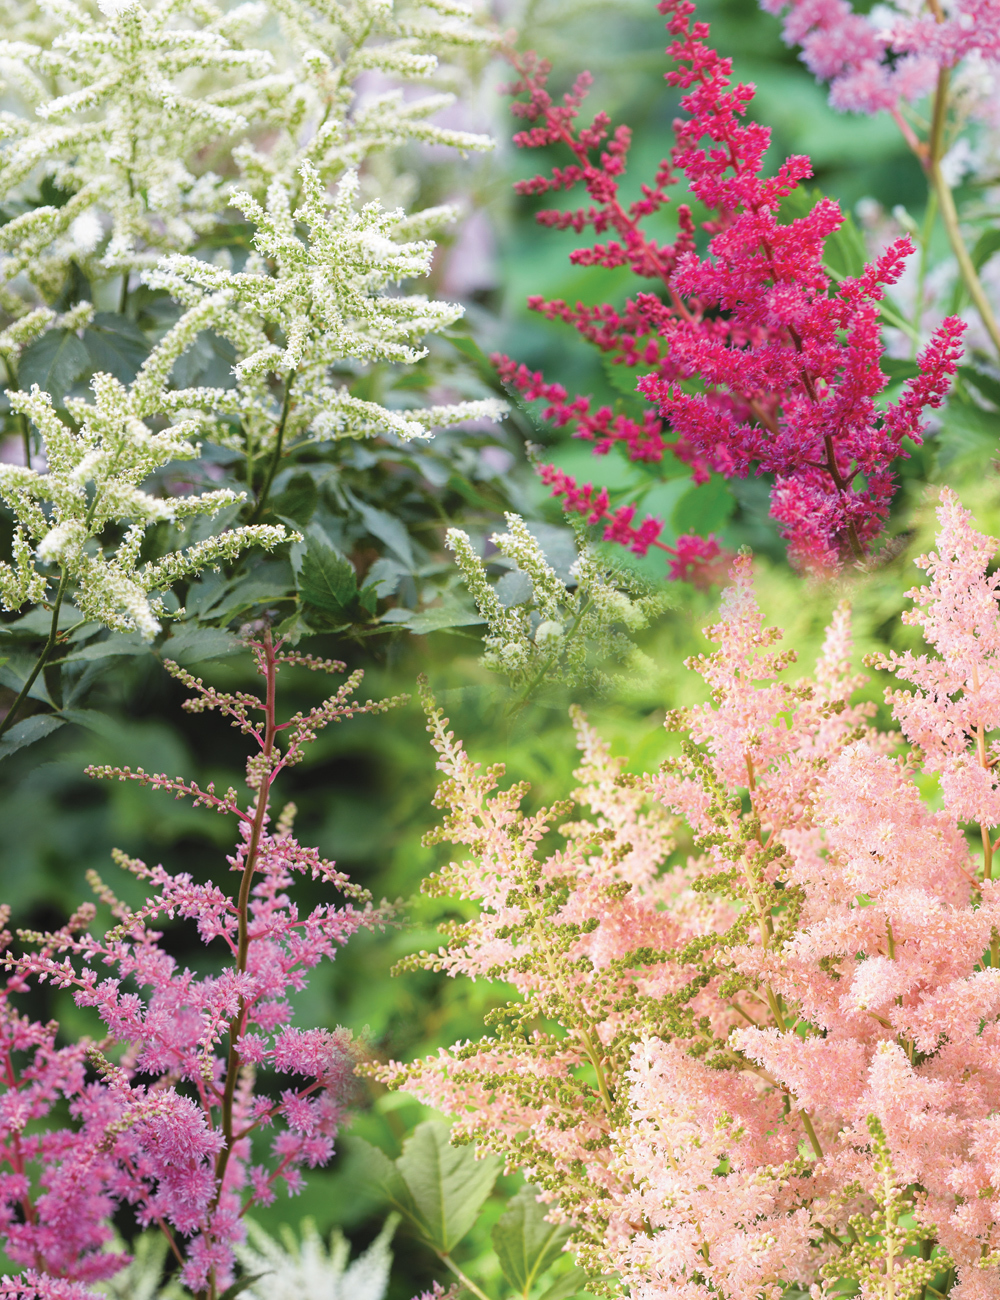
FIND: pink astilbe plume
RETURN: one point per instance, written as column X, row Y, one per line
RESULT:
column 777, row 1064
column 756, row 362
column 955, row 708
column 163, row 1117
column 876, row 66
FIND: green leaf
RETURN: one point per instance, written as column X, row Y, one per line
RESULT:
column 899, row 368
column 387, row 529
column 190, row 645
column 15, row 671
column 966, row 430
column 704, row 508
column 984, row 384
column 844, row 252
column 624, row 378
column 54, row 362
column 986, row 245
column 471, row 350
column 297, row 500
column 28, row 731
column 382, row 1171
column 117, row 644
column 115, row 345
column 448, row 1184
column 232, row 1291
column 525, row 1244
column 326, row 579
column 566, row 1285
column 441, row 617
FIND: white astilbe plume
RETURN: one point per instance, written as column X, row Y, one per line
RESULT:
column 554, row 631
column 137, row 109
column 114, row 117
column 328, row 296
column 338, row 43
column 92, row 483
column 307, row 1270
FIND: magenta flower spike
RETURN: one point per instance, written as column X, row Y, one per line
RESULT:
column 758, row 362
column 163, row 1110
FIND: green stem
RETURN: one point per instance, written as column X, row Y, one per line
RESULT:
column 930, row 216
column 8, row 720
column 949, row 213
column 272, row 467
column 465, row 1281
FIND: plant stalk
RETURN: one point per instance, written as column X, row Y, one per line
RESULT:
column 243, row 929
column 949, row 213
column 9, row 717
column 272, row 467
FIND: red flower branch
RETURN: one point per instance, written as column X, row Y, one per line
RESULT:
column 758, row 362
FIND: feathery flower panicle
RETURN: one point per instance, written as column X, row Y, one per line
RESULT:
column 876, row 63
column 121, row 108
column 776, row 1065
column 93, row 477
column 169, row 1125
column 327, row 295
column 756, row 362
column 888, row 60
column 549, row 630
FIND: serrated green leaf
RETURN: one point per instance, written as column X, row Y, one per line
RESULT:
column 526, row 1245
column 984, row 384
column 442, row 617
column 119, row 644
column 54, row 362
column 115, row 345
column 382, row 1171
column 326, row 579
column 566, row 1285
column 623, row 379
column 28, row 731
column 15, row 671
column 448, row 1184
column 704, row 508
column 966, row 430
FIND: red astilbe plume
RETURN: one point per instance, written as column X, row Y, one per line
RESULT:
column 162, row 1117
column 758, row 363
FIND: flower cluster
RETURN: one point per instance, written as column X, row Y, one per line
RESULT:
column 873, row 66
column 216, row 170
column 896, row 55
column 326, row 295
column 772, row 1065
column 166, row 1115
column 122, row 108
column 93, row 479
column 541, row 628
column 755, row 360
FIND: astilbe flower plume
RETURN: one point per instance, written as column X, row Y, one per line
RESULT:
column 754, row 359
column 876, row 66
column 775, row 1064
column 162, row 1114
